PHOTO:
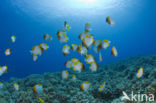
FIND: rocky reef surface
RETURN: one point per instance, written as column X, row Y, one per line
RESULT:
column 119, row 76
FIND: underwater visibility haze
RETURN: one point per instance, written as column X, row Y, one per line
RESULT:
column 37, row 51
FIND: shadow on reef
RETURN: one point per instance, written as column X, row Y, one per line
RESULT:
column 119, row 76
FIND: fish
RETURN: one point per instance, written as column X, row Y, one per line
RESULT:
column 37, row 50
column 1, row 71
column 85, row 86
column 68, row 64
column 5, row 69
column 73, row 78
column 140, row 72
column 67, row 26
column 109, row 20
column 93, row 67
column 16, row 86
column 114, row 51
column 89, row 58
column 102, row 86
column 87, row 27
column 100, row 57
column 78, row 66
column 105, row 44
column 65, row 50
column 87, row 41
column 97, row 45
column 65, row 74
column 82, row 50
column 1, row 85
column 38, row 88
column 44, row 46
column 7, row 52
column 13, row 39
column 74, row 47
column 73, row 60
column 82, row 35
column 62, row 36
column 41, row 100
column 47, row 37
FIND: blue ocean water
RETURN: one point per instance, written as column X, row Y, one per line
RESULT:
column 133, row 34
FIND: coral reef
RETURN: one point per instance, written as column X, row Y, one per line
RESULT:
column 119, row 76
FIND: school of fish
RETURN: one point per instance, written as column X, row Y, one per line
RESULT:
column 88, row 41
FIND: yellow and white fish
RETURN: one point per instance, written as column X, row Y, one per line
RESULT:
column 73, row 78
column 82, row 50
column 37, row 50
column 87, row 27
column 7, row 52
column 47, row 37
column 74, row 47
column 65, row 74
column 5, row 69
column 67, row 26
column 82, row 35
column 44, row 46
column 38, row 88
column 114, row 51
column 109, row 20
column 73, row 60
column 102, row 86
column 78, row 66
column 105, row 44
column 85, row 86
column 62, row 37
column 97, row 45
column 89, row 58
column 13, row 39
column 65, row 50
column 87, row 41
column 140, row 73
column 1, row 85
column 16, row 86
column 93, row 66
column 68, row 64
column 100, row 57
